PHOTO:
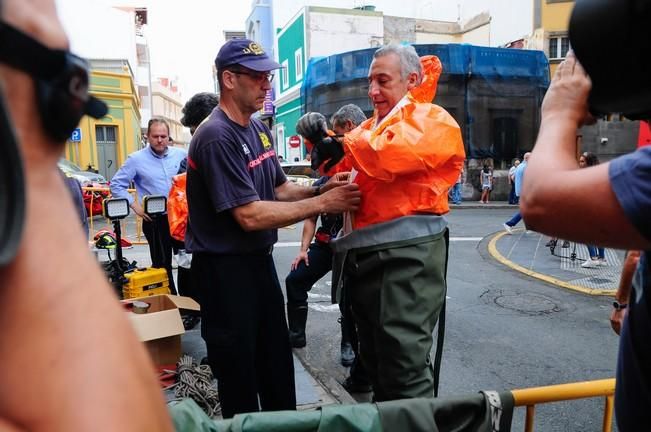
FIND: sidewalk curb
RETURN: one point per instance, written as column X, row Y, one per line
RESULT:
column 492, row 250
column 329, row 384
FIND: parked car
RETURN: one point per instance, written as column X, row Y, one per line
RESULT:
column 92, row 199
column 300, row 172
column 86, row 178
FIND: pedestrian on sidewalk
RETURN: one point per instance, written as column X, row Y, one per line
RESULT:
column 513, row 198
column 238, row 196
column 486, row 179
column 597, row 254
column 518, row 178
column 455, row 191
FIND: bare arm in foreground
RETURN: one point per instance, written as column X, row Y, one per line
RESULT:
column 70, row 358
column 559, row 199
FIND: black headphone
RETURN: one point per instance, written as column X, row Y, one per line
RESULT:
column 61, row 84
column 12, row 188
column 610, row 39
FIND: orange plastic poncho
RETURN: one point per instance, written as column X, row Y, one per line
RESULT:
column 177, row 207
column 407, row 164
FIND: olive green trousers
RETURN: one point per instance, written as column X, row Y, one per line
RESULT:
column 396, row 292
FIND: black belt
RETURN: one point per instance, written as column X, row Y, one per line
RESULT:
column 257, row 252
column 264, row 251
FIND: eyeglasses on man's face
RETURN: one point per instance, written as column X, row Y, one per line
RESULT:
column 258, row 77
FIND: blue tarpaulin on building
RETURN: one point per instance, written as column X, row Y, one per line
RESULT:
column 493, row 93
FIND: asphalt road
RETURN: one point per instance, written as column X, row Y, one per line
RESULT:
column 504, row 330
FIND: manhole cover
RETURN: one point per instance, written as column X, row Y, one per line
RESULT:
column 527, row 303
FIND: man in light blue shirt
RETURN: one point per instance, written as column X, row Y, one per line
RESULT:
column 151, row 170
column 518, row 178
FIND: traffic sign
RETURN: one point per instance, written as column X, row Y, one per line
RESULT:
column 294, row 141
column 75, row 136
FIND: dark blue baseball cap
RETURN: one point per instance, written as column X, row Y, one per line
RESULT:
column 247, row 53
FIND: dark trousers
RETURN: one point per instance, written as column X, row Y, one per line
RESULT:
column 349, row 334
column 513, row 198
column 183, row 275
column 243, row 324
column 157, row 233
column 300, row 281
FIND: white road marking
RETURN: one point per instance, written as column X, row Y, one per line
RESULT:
column 452, row 239
column 321, row 308
column 317, row 296
column 332, row 308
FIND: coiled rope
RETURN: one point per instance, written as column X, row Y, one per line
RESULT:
column 195, row 381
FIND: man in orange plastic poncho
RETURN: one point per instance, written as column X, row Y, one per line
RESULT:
column 394, row 251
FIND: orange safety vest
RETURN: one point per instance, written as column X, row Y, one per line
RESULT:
column 407, row 164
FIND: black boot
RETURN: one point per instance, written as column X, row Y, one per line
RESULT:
column 347, row 354
column 297, row 317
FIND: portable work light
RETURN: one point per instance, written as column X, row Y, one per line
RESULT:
column 154, row 204
column 115, row 208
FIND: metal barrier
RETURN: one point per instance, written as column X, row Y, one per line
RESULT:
column 530, row 397
column 134, row 235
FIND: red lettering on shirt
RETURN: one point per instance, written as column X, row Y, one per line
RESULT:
column 258, row 161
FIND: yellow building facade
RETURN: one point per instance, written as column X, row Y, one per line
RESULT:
column 105, row 143
column 551, row 22
column 166, row 104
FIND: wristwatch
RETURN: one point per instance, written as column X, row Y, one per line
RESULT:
column 619, row 306
column 317, row 190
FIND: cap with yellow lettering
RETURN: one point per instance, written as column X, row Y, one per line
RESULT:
column 247, row 53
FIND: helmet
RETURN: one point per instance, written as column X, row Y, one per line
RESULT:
column 105, row 240
column 601, row 28
column 100, row 232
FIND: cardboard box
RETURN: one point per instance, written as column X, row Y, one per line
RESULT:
column 161, row 327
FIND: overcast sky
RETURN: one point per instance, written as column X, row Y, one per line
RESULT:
column 184, row 36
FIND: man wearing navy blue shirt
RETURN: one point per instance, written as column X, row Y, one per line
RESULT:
column 237, row 198
column 151, row 170
column 607, row 204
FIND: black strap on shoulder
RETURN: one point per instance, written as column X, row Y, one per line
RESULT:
column 19, row 50
column 12, row 188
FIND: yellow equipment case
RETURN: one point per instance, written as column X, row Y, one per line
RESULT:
column 146, row 282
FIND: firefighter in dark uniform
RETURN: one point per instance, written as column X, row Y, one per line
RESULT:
column 238, row 196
